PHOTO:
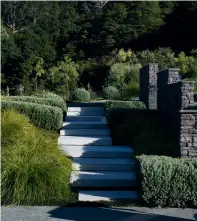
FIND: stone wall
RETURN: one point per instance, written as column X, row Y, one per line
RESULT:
column 148, row 85
column 188, row 133
column 165, row 92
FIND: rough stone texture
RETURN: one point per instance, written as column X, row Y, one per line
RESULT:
column 165, row 92
column 188, row 136
column 148, row 85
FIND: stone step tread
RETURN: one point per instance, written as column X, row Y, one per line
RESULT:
column 84, row 113
column 78, row 140
column 96, row 195
column 89, row 109
column 95, row 148
column 84, row 138
column 103, row 175
column 98, row 151
column 84, row 132
column 92, row 161
column 88, row 104
column 83, row 122
column 104, row 164
column 86, row 118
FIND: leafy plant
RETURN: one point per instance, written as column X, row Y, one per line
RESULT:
column 167, row 181
column 81, row 95
column 55, row 101
column 65, row 75
column 43, row 116
column 111, row 92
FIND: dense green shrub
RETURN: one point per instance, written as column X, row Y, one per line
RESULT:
column 34, row 169
column 43, row 116
column 111, row 92
column 143, row 130
column 131, row 90
column 124, row 104
column 168, row 181
column 56, row 102
column 80, row 94
column 48, row 95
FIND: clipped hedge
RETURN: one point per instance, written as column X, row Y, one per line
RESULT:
column 111, row 92
column 43, row 116
column 81, row 95
column 123, row 104
column 39, row 100
column 167, row 181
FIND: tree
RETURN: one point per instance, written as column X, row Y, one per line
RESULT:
column 19, row 15
column 65, row 74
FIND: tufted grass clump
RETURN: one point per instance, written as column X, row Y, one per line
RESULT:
column 34, row 169
column 80, row 95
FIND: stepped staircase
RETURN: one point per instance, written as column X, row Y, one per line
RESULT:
column 102, row 171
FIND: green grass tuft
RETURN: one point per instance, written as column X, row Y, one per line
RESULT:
column 34, row 169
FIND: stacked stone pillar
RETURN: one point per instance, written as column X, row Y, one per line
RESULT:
column 148, row 85
column 165, row 92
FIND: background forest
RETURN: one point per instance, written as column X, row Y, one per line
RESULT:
column 59, row 46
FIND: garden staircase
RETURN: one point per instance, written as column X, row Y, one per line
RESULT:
column 101, row 171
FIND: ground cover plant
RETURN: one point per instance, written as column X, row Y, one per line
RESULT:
column 43, row 116
column 167, row 181
column 34, row 169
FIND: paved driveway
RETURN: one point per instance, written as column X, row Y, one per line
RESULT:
column 46, row 213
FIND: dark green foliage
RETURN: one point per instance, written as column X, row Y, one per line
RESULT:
column 34, row 169
column 143, row 130
column 46, row 101
column 111, row 93
column 167, row 181
column 192, row 107
column 43, row 116
column 81, row 95
column 123, row 104
column 88, row 35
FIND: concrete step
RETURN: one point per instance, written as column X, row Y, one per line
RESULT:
column 85, row 111
column 77, row 140
column 85, row 132
column 104, row 164
column 98, row 151
column 85, row 125
column 86, row 118
column 103, row 179
column 88, row 104
column 97, row 195
column 78, row 113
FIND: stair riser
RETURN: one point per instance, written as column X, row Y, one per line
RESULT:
column 85, row 126
column 103, row 167
column 107, row 195
column 85, row 132
column 85, row 142
column 104, row 183
column 85, row 118
column 98, row 154
column 86, row 113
